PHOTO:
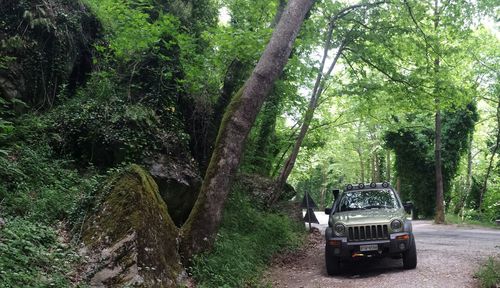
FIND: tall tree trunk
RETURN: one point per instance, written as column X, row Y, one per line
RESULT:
column 236, row 74
column 468, row 180
column 492, row 157
column 313, row 103
column 439, row 217
column 361, row 164
column 317, row 90
column 388, row 166
column 199, row 231
column 398, row 185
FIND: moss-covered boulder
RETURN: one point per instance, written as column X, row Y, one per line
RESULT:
column 131, row 239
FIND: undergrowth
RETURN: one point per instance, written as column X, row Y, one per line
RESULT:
column 245, row 243
column 40, row 187
column 40, row 196
column 489, row 274
column 31, row 256
column 455, row 219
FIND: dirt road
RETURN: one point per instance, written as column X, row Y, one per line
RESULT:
column 448, row 256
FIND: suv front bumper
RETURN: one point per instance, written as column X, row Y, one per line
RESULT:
column 340, row 247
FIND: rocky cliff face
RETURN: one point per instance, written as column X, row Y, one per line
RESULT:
column 45, row 47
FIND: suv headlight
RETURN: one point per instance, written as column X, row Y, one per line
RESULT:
column 339, row 229
column 396, row 225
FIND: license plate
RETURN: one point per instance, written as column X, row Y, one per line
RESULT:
column 373, row 247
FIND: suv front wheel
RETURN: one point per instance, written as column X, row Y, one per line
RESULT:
column 332, row 263
column 410, row 256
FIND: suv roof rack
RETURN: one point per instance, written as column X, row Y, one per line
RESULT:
column 372, row 185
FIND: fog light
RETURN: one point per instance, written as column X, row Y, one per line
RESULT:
column 402, row 246
column 335, row 243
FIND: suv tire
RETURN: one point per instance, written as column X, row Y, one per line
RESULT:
column 332, row 263
column 410, row 256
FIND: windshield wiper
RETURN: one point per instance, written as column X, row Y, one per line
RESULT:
column 376, row 206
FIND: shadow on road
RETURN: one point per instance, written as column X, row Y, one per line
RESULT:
column 366, row 268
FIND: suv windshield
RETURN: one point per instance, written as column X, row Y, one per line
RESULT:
column 368, row 199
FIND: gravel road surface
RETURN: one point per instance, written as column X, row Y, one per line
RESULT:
column 448, row 256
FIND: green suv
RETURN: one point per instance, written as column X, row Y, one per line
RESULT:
column 366, row 221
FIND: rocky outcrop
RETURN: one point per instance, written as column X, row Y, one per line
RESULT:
column 178, row 183
column 44, row 47
column 131, row 240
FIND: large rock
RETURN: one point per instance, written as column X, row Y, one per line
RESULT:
column 45, row 46
column 179, row 184
column 131, row 239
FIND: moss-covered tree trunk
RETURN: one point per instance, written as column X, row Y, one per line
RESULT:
column 198, row 233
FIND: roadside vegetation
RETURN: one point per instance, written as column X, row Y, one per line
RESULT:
column 489, row 273
column 456, row 219
column 248, row 238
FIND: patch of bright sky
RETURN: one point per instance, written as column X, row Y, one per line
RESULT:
column 224, row 16
column 492, row 26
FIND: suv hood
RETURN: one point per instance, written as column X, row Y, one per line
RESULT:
column 370, row 216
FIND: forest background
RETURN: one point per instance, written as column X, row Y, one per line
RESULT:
column 368, row 93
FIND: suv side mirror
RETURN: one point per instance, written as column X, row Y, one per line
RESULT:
column 335, row 193
column 328, row 211
column 408, row 207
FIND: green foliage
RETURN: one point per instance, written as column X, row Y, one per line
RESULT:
column 489, row 274
column 471, row 217
column 246, row 241
column 414, row 150
column 105, row 127
column 130, row 27
column 39, row 187
column 42, row 46
column 6, row 126
column 31, row 256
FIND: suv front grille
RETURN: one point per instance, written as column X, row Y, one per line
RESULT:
column 368, row 232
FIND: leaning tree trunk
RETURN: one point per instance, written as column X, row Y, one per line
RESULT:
column 313, row 103
column 198, row 233
column 388, row 166
column 361, row 164
column 316, row 93
column 492, row 157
